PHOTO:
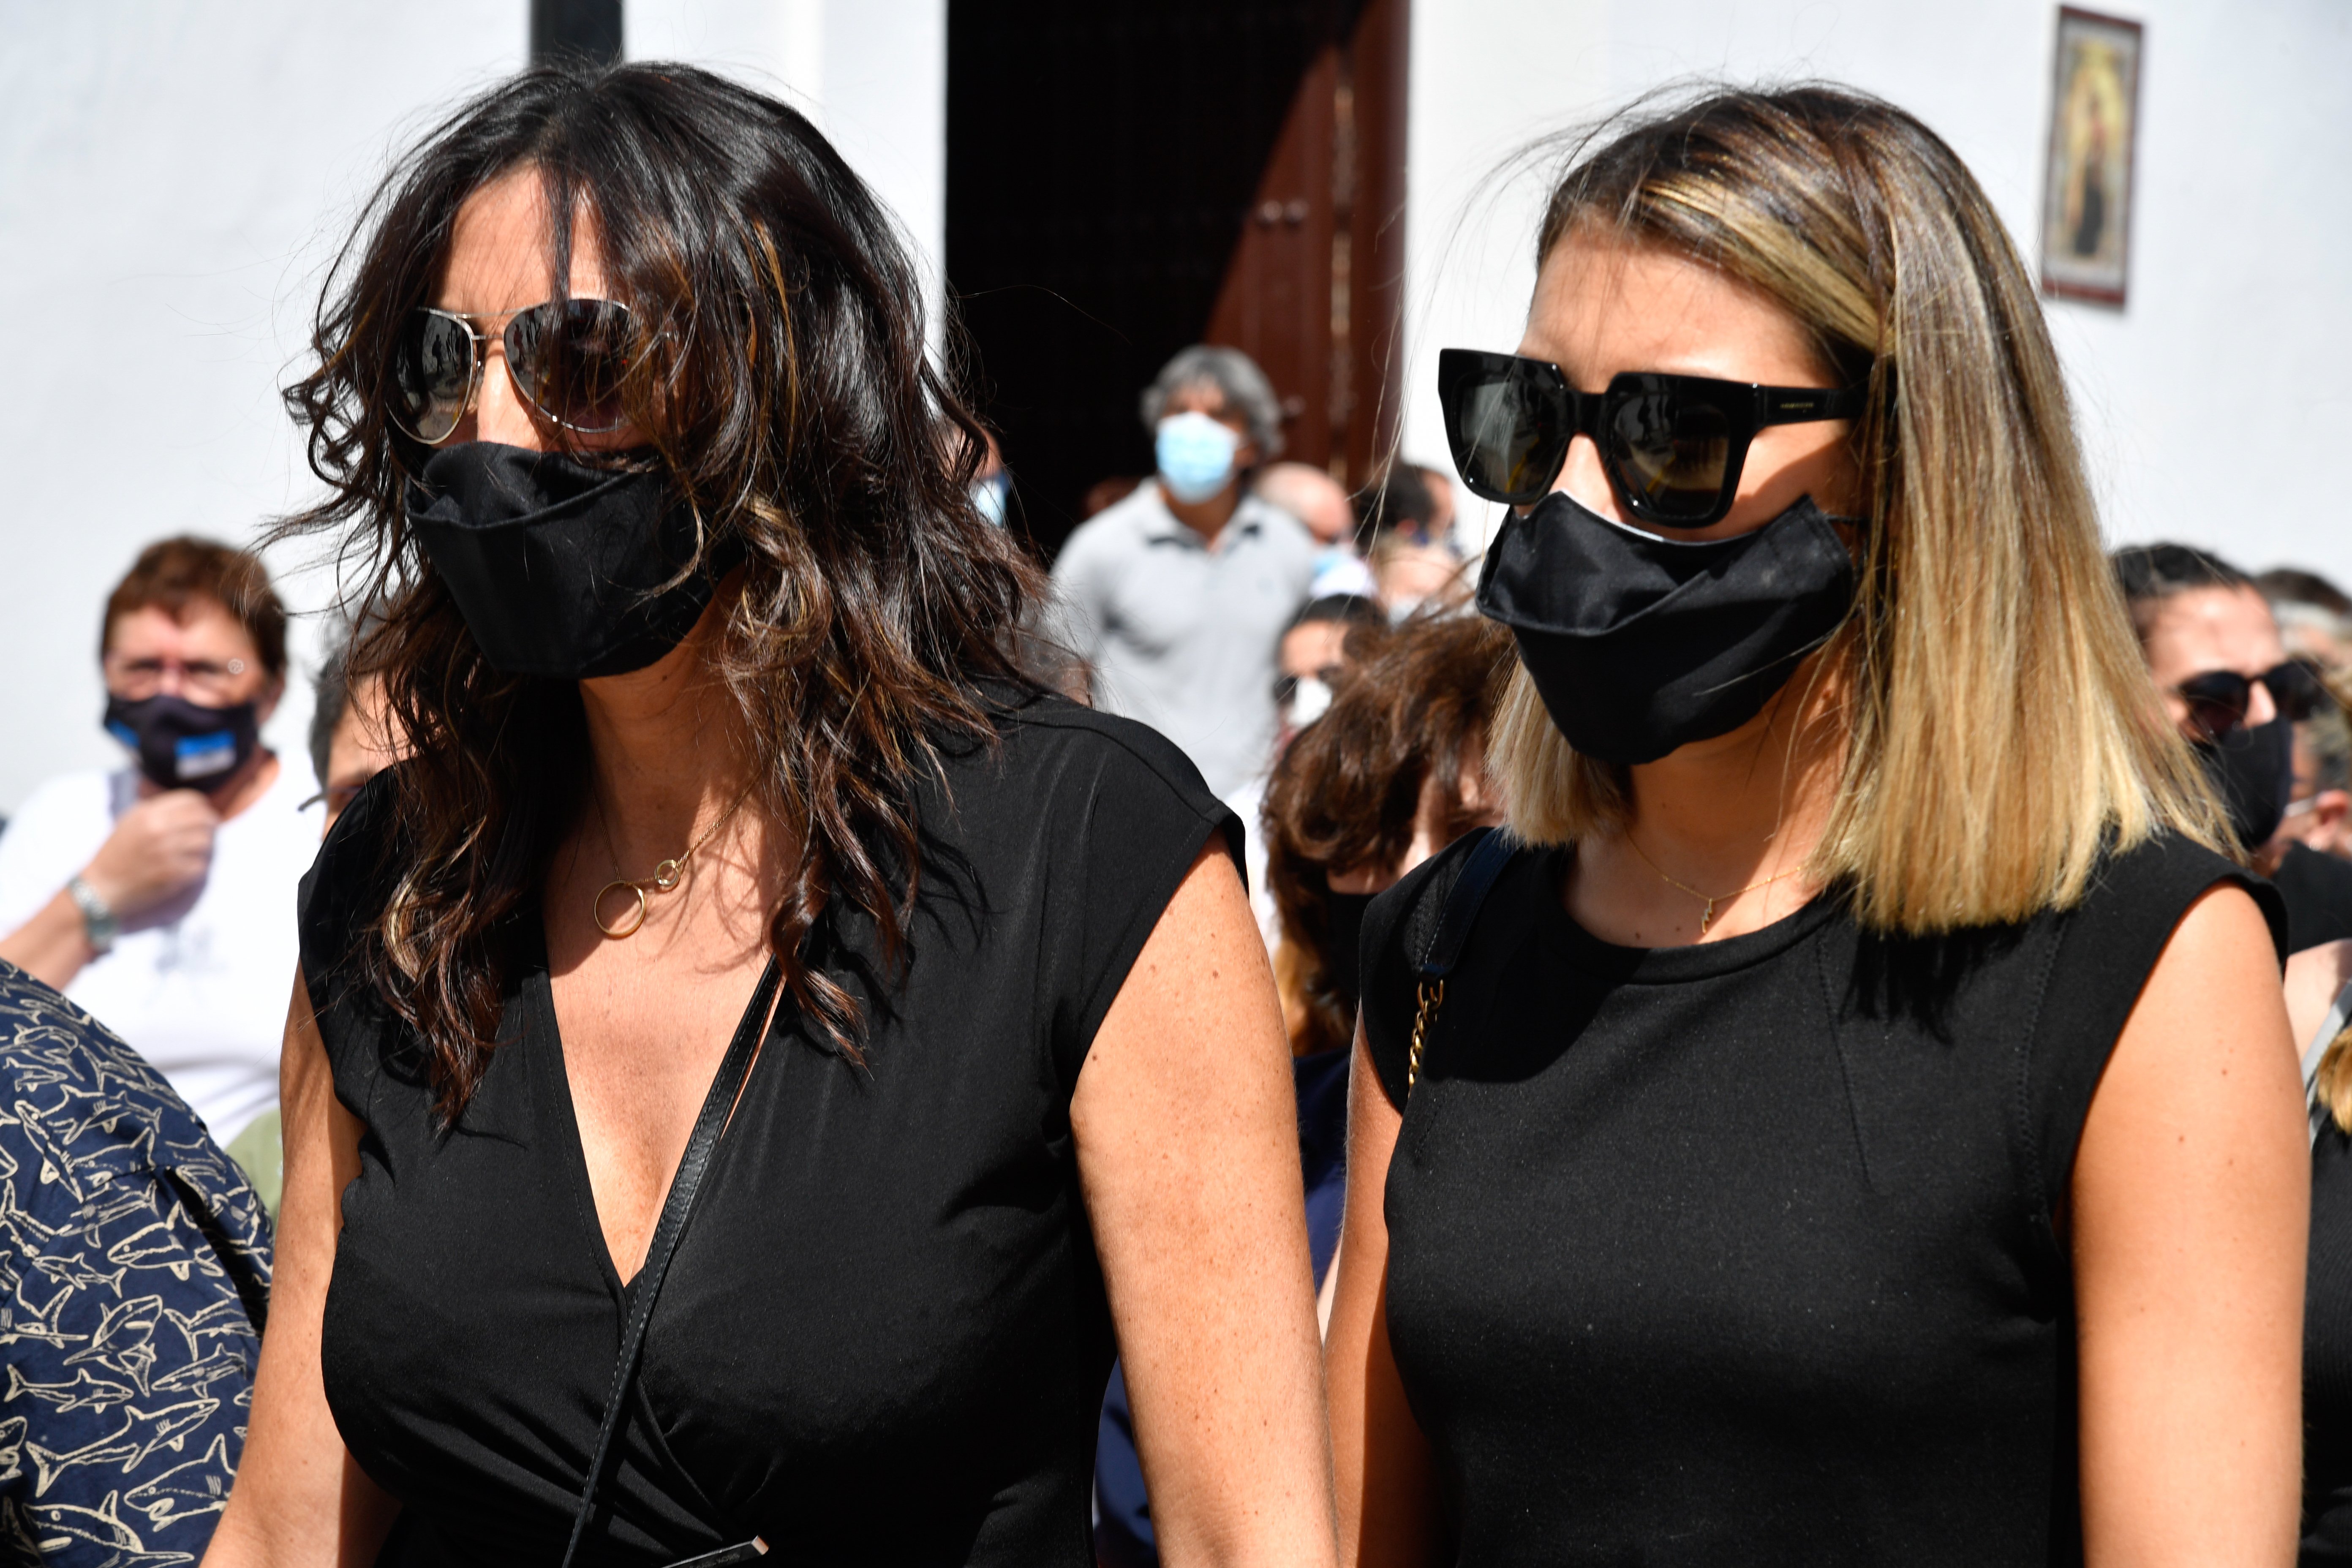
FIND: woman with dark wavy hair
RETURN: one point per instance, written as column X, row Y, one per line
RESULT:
column 675, row 583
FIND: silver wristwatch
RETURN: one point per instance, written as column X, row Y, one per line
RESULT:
column 97, row 921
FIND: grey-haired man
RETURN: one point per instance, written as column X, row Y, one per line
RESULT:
column 1176, row 599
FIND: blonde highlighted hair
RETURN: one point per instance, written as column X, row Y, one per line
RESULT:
column 2003, row 732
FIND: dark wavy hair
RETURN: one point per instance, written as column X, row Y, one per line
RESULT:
column 1396, row 742
column 781, row 381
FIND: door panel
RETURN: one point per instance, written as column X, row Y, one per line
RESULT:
column 1126, row 178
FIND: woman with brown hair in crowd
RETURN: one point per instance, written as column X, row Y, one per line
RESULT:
column 747, row 1063
column 1391, row 773
column 1851, row 1118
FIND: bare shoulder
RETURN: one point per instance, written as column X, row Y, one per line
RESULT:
column 2217, row 974
column 2314, row 977
column 2208, row 1043
column 1197, row 965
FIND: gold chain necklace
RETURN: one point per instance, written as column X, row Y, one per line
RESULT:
column 666, row 874
column 1711, row 900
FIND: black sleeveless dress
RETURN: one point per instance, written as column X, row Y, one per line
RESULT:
column 1746, row 1253
column 884, row 1338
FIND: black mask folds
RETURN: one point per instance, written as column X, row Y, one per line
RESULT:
column 559, row 568
column 2253, row 770
column 1639, row 645
column 184, row 744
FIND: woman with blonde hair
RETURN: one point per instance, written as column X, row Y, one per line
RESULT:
column 1848, row 1114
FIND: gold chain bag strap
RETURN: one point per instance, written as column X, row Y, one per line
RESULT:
column 1442, row 949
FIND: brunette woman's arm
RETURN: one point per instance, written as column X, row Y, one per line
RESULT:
column 1388, row 1487
column 299, row 1500
column 1188, row 1151
column 2190, row 1219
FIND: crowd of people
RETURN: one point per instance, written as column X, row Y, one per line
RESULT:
column 1788, row 1007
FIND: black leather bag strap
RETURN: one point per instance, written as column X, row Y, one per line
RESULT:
column 676, row 1209
column 1480, row 868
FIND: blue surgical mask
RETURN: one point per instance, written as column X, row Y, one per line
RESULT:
column 1195, row 455
column 988, row 497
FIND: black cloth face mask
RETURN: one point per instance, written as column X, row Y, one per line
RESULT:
column 2253, row 770
column 558, row 568
column 1639, row 645
column 184, row 744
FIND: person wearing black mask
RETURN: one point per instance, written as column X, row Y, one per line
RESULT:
column 745, row 1070
column 160, row 897
column 1847, row 1115
column 1391, row 773
column 2214, row 652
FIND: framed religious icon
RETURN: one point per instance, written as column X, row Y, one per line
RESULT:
column 2087, row 199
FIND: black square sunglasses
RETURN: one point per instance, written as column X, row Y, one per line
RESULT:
column 2219, row 698
column 1671, row 445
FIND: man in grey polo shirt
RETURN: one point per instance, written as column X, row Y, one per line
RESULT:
column 1176, row 599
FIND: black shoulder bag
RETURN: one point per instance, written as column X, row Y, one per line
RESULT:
column 676, row 1209
column 1441, row 947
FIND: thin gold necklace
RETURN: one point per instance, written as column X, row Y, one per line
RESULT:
column 1710, row 900
column 666, row 874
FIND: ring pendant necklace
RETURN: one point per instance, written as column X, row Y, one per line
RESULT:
column 1710, row 900
column 666, row 874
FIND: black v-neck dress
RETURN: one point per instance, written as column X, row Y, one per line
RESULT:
column 884, row 1339
column 1748, row 1252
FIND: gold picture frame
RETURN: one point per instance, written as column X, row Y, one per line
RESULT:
column 2087, row 195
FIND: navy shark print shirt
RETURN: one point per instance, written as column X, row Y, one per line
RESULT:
column 134, row 1271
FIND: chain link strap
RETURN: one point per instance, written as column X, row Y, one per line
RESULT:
column 1433, row 996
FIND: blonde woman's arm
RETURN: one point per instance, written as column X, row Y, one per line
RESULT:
column 1188, row 1149
column 1388, row 1485
column 299, row 1500
column 2190, row 1220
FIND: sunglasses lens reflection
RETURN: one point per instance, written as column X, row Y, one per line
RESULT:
column 432, row 371
column 2215, row 717
column 1509, row 427
column 2295, row 686
column 571, row 359
column 1670, row 452
column 2217, row 702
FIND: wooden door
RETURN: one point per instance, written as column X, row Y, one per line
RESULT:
column 1312, row 290
column 1126, row 177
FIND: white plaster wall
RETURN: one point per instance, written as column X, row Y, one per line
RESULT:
column 873, row 75
column 2214, row 407
column 172, row 180
column 174, row 177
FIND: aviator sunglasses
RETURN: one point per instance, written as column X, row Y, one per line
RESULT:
column 2217, row 699
column 1671, row 445
column 566, row 359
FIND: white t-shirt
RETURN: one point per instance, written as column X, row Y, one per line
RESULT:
column 199, row 986
column 1248, row 803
